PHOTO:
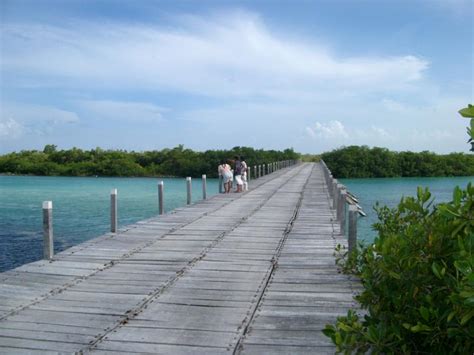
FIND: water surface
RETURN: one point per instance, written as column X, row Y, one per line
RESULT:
column 81, row 209
column 388, row 191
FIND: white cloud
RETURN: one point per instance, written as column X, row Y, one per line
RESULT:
column 27, row 113
column 331, row 130
column 21, row 120
column 264, row 86
column 379, row 132
column 9, row 128
column 311, row 132
column 234, row 54
column 123, row 111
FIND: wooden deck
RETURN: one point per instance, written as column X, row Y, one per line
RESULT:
column 248, row 273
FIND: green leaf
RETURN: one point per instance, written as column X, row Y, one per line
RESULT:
column 469, row 302
column 466, row 294
column 467, row 111
column 344, row 327
column 419, row 192
column 372, row 334
column 457, row 195
column 394, row 275
column 329, row 331
column 463, row 266
column 425, row 313
column 466, row 317
column 436, row 271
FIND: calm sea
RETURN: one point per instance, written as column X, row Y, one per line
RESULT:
column 388, row 191
column 81, row 206
column 81, row 209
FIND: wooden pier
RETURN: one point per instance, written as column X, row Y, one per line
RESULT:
column 250, row 273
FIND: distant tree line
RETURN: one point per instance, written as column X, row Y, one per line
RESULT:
column 352, row 161
column 365, row 162
column 177, row 161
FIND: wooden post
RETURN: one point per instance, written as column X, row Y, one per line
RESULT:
column 204, row 187
column 221, row 181
column 113, row 211
column 161, row 207
column 260, row 171
column 248, row 175
column 335, row 194
column 330, row 186
column 48, row 246
column 341, row 208
column 188, row 190
column 255, row 172
column 353, row 213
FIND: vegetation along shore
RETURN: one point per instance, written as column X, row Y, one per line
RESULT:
column 346, row 162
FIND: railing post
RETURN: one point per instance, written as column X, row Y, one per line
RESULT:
column 330, row 186
column 341, row 209
column 188, row 190
column 353, row 213
column 204, row 186
column 161, row 207
column 335, row 194
column 48, row 246
column 255, row 172
column 113, row 211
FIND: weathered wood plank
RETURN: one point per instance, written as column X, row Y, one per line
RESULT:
column 192, row 280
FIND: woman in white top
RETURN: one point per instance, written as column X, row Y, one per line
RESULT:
column 225, row 171
column 244, row 173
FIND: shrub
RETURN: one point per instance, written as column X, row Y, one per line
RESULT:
column 418, row 280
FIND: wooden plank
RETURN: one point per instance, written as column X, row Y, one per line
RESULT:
column 191, row 281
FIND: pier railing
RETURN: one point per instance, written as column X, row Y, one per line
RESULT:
column 346, row 206
column 48, row 239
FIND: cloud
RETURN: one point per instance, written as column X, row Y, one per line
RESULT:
column 9, row 128
column 232, row 54
column 255, row 85
column 35, row 113
column 330, row 130
column 123, row 110
column 18, row 120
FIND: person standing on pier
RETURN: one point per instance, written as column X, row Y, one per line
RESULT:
column 244, row 173
column 224, row 170
column 238, row 173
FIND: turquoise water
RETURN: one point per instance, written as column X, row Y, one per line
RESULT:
column 81, row 206
column 388, row 191
column 81, row 209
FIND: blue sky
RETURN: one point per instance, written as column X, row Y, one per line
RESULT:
column 312, row 75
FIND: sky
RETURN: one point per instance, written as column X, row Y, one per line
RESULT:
column 310, row 75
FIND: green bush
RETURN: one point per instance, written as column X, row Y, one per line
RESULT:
column 166, row 162
column 418, row 281
column 365, row 162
